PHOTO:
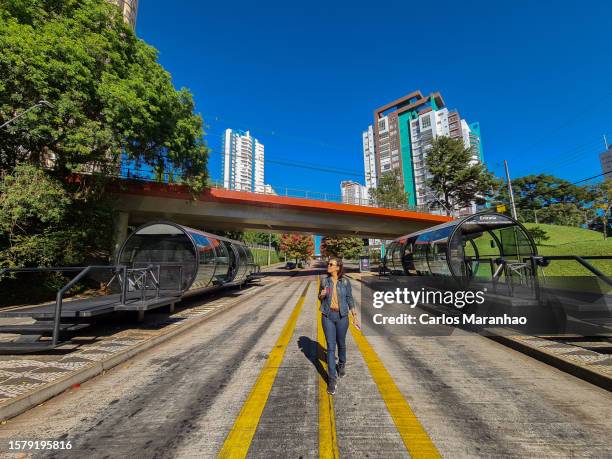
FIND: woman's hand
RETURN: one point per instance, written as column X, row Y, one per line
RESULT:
column 355, row 319
column 323, row 293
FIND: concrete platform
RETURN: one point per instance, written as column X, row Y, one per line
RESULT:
column 92, row 307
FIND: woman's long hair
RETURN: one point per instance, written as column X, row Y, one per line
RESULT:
column 340, row 266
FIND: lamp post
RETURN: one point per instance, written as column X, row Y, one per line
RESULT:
column 40, row 103
column 510, row 192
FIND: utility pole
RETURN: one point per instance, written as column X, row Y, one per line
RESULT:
column 269, row 246
column 535, row 214
column 510, row 193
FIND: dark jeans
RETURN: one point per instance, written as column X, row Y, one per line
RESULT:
column 335, row 328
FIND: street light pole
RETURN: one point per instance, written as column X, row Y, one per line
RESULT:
column 39, row 104
column 510, row 190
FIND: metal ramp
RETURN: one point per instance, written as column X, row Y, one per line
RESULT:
column 139, row 291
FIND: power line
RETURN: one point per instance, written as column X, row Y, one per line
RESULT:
column 577, row 156
column 567, row 157
column 273, row 133
column 591, row 178
column 331, row 170
column 564, row 160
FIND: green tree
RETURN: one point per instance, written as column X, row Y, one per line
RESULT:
column 457, row 180
column 230, row 234
column 390, row 192
column 539, row 191
column 42, row 223
column 342, row 247
column 111, row 97
column 603, row 201
column 568, row 214
column 297, row 246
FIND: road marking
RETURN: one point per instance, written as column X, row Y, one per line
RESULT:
column 239, row 438
column 328, row 442
column 414, row 436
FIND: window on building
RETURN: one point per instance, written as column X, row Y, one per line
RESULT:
column 426, row 122
column 381, row 125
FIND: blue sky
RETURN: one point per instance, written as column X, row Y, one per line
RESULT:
column 305, row 77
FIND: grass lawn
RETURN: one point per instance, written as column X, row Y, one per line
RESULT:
column 564, row 240
column 568, row 240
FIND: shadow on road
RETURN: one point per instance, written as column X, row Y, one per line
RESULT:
column 315, row 353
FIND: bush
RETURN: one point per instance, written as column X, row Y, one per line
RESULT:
column 46, row 223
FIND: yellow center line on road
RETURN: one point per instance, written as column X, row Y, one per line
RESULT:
column 239, row 438
column 328, row 444
column 414, row 436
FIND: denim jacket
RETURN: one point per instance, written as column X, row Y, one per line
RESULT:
column 344, row 292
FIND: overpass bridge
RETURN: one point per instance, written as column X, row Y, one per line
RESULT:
column 220, row 209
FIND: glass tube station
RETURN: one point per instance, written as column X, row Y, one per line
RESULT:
column 463, row 249
column 190, row 261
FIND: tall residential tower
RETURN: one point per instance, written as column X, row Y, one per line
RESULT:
column 129, row 8
column 354, row 193
column 403, row 132
column 243, row 162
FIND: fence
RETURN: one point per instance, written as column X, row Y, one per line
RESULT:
column 276, row 190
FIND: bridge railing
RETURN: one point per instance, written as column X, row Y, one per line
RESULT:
column 291, row 192
column 276, row 190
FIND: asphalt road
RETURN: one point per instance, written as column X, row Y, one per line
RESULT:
column 249, row 381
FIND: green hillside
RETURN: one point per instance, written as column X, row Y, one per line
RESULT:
column 563, row 240
column 568, row 240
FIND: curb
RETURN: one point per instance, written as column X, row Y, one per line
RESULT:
column 579, row 371
column 566, row 366
column 27, row 401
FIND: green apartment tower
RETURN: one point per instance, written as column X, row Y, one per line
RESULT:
column 402, row 133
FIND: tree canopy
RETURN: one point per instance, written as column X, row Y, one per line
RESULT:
column 538, row 191
column 603, row 201
column 390, row 191
column 110, row 95
column 43, row 224
column 456, row 179
column 297, row 246
column 110, row 101
column 342, row 247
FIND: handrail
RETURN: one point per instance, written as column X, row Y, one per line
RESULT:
column 544, row 261
column 42, row 270
column 165, row 264
column 60, row 297
column 83, row 271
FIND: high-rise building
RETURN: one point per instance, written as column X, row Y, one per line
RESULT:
column 606, row 162
column 403, row 132
column 354, row 193
column 369, row 158
column 129, row 8
column 243, row 162
column 269, row 190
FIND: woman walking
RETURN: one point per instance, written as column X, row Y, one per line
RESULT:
column 336, row 303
